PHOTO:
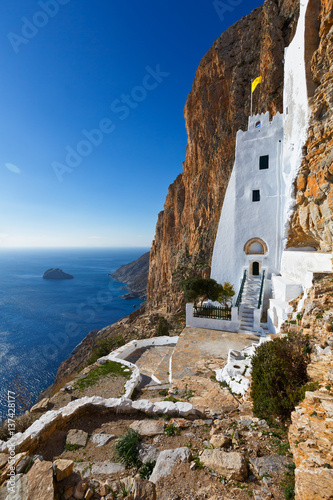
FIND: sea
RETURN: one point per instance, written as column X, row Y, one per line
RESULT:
column 42, row 321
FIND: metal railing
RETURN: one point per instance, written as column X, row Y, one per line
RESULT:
column 261, row 289
column 240, row 295
column 212, row 312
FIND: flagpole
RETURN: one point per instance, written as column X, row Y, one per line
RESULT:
column 251, row 96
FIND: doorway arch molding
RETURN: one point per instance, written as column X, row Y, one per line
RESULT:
column 255, row 242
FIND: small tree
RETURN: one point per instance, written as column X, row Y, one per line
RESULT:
column 279, row 373
column 226, row 294
column 163, row 327
column 198, row 288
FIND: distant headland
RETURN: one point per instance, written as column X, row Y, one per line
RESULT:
column 56, row 274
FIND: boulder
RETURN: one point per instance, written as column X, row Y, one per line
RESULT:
column 89, row 494
column 106, row 468
column 18, row 491
column 143, row 490
column 76, row 437
column 231, row 465
column 220, row 440
column 23, row 464
column 81, row 489
column 40, row 481
column 314, row 484
column 167, row 459
column 102, row 439
column 148, row 427
column 43, row 405
column 148, row 453
column 269, row 465
column 3, row 460
column 62, row 468
column 15, row 461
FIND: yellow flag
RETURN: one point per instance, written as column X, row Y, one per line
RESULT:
column 255, row 83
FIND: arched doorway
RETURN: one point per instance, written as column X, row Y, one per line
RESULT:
column 255, row 268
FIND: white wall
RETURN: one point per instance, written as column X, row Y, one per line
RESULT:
column 296, row 265
column 213, row 324
column 241, row 218
column 296, row 111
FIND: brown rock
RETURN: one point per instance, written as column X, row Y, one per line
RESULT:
column 62, row 468
column 40, row 481
column 220, row 441
column 15, row 461
column 104, row 490
column 314, row 484
column 76, row 437
column 3, row 460
column 231, row 465
column 81, row 489
column 144, row 490
column 43, row 405
column 148, row 427
column 69, row 492
column 89, row 494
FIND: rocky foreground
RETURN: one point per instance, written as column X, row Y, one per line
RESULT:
column 221, row 451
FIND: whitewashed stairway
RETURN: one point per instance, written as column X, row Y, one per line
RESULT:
column 250, row 299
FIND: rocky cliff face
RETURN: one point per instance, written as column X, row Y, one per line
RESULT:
column 135, row 274
column 217, row 106
column 311, row 223
column 310, row 434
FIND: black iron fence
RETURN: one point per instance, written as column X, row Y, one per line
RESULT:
column 240, row 295
column 212, row 312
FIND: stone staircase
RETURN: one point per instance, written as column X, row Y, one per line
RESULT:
column 249, row 303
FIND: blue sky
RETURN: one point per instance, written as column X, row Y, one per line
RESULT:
column 114, row 75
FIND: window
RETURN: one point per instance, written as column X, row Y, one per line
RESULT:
column 258, row 125
column 256, row 195
column 263, row 162
column 255, row 247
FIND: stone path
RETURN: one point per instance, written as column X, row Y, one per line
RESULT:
column 195, row 345
column 153, row 361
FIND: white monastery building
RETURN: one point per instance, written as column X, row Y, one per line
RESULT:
column 249, row 250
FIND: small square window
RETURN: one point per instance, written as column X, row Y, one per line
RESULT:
column 263, row 162
column 256, row 195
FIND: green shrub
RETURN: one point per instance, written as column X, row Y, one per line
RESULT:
column 104, row 347
column 71, row 447
column 196, row 288
column 279, row 375
column 127, row 449
column 163, row 327
column 110, row 367
column 146, row 470
column 288, row 483
column 171, row 430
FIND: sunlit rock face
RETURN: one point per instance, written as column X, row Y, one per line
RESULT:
column 217, row 106
column 311, row 223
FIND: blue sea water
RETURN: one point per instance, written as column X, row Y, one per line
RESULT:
column 42, row 321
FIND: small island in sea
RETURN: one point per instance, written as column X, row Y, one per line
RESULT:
column 56, row 274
